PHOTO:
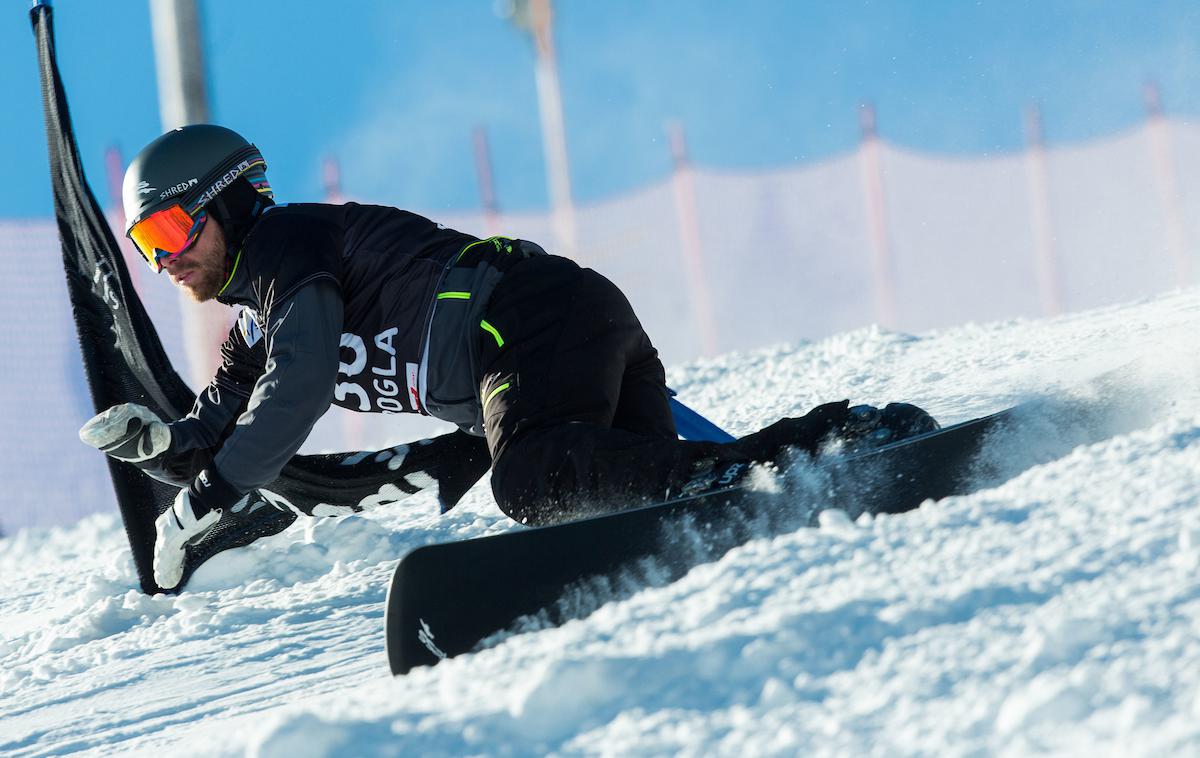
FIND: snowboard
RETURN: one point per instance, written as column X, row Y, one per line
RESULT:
column 448, row 599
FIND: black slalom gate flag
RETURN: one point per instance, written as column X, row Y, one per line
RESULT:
column 124, row 362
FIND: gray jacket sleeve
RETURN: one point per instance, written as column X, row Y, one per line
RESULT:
column 219, row 404
column 197, row 437
column 295, row 388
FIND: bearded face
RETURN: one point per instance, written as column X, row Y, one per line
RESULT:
column 201, row 269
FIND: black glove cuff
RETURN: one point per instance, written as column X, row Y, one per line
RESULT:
column 210, row 491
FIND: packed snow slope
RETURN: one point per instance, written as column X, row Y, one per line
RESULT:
column 1058, row 611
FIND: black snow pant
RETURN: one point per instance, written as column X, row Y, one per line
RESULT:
column 574, row 398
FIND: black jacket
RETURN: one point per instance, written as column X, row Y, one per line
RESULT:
column 340, row 305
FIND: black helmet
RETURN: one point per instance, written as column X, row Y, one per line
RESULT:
column 190, row 166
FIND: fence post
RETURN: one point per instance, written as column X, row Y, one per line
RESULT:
column 1041, row 221
column 1168, row 184
column 871, row 166
column 683, row 178
column 487, row 187
column 331, row 180
column 114, row 167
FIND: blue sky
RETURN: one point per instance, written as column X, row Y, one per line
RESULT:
column 393, row 89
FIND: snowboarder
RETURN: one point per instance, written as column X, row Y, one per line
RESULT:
column 377, row 309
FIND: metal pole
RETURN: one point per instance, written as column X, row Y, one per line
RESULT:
column 179, row 59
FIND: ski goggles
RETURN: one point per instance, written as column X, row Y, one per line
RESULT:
column 166, row 234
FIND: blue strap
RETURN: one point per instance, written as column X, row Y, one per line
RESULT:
column 692, row 426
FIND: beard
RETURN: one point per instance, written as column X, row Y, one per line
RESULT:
column 204, row 279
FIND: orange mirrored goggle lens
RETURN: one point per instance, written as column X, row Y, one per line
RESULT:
column 165, row 234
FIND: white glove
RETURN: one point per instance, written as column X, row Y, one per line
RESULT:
column 128, row 432
column 174, row 530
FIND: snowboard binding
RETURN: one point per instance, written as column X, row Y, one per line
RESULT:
column 867, row 427
column 854, row 429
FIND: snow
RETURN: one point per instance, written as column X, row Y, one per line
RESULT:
column 1056, row 612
